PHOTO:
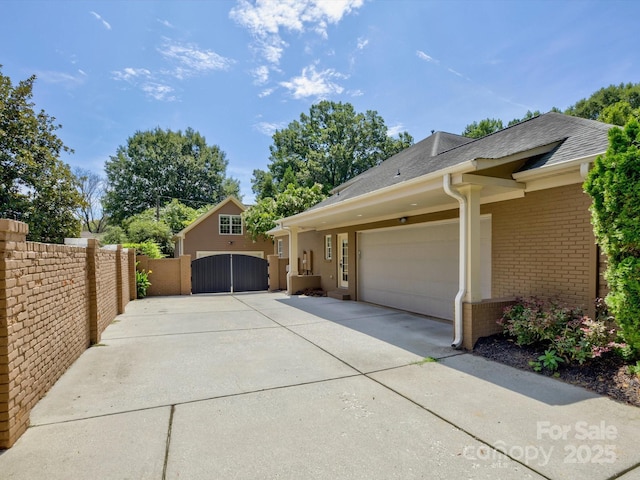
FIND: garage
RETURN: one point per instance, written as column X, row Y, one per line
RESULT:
column 415, row 267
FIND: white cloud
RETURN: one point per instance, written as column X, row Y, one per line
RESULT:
column 268, row 128
column 159, row 91
column 424, row 56
column 192, row 60
column 102, row 20
column 61, row 78
column 266, row 92
column 454, row 72
column 166, row 23
column 267, row 19
column 261, row 75
column 312, row 83
column 394, row 130
column 130, row 74
column 362, row 42
column 355, row 93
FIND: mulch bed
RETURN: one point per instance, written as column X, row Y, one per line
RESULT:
column 606, row 375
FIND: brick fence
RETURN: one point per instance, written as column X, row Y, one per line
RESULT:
column 55, row 301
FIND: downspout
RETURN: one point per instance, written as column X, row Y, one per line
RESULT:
column 462, row 259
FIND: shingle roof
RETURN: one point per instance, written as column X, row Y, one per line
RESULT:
column 579, row 138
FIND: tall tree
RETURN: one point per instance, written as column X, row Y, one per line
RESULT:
column 261, row 217
column 593, row 106
column 90, row 186
column 329, row 146
column 156, row 166
column 482, row 128
column 36, row 187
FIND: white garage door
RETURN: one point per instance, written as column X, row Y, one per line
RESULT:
column 415, row 268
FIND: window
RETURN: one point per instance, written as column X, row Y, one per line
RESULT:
column 230, row 225
column 328, row 248
column 280, row 248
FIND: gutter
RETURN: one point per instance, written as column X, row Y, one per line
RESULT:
column 462, row 274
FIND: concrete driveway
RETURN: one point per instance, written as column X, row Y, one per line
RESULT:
column 262, row 386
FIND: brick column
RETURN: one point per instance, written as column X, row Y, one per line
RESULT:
column 133, row 288
column 119, row 279
column 93, row 274
column 13, row 313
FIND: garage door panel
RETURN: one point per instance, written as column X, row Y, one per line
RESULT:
column 415, row 268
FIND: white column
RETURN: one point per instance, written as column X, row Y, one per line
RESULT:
column 293, row 256
column 472, row 218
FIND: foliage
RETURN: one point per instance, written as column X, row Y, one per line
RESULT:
column 178, row 215
column 159, row 165
column 36, row 187
column 619, row 113
column 614, row 186
column 142, row 230
column 594, row 106
column 150, row 249
column 142, row 282
column 113, row 235
column 634, row 369
column 482, row 128
column 329, row 146
column 549, row 360
column 262, row 217
column 527, row 116
column 565, row 331
column 90, row 187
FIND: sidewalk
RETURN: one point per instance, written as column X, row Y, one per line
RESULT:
column 262, row 385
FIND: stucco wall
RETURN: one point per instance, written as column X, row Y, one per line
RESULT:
column 205, row 236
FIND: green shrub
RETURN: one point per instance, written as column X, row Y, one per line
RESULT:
column 142, row 282
column 564, row 331
column 150, row 249
column 614, row 186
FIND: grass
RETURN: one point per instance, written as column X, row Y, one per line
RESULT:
column 426, row 360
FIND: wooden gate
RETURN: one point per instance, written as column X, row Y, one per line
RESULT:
column 229, row 273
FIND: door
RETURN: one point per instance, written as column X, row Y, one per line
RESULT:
column 415, row 268
column 343, row 260
column 229, row 273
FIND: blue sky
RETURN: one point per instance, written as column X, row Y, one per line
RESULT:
column 237, row 70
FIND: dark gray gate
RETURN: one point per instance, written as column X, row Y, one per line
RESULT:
column 229, row 273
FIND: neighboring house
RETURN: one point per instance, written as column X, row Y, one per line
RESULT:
column 393, row 236
column 220, row 231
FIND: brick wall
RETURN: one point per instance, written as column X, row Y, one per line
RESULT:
column 543, row 245
column 55, row 300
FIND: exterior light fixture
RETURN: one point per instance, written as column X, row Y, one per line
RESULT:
column 403, row 220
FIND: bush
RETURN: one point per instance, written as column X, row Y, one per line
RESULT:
column 113, row 235
column 564, row 331
column 142, row 282
column 614, row 186
column 150, row 249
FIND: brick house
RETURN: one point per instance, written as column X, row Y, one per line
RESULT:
column 456, row 228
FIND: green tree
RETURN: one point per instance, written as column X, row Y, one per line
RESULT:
column 329, row 146
column 614, row 185
column 177, row 215
column 527, row 116
column 36, row 187
column 262, row 184
column 619, row 113
column 482, row 128
column 593, row 107
column 142, row 230
column 156, row 166
column 261, row 217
